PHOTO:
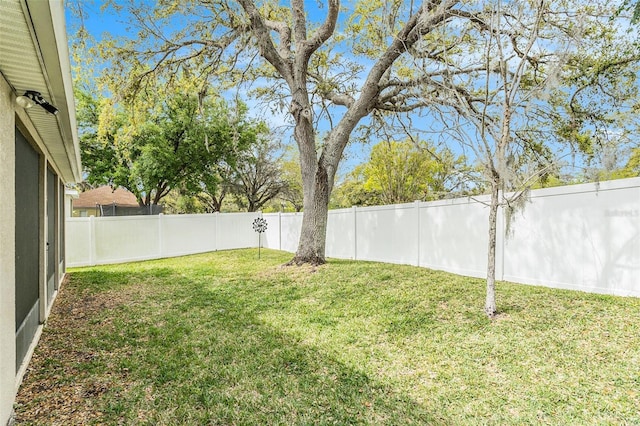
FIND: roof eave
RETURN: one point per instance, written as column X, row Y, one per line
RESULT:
column 48, row 24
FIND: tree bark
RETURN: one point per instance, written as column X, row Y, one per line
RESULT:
column 318, row 175
column 311, row 247
column 490, row 306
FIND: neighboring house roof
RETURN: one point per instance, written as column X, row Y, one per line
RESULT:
column 34, row 55
column 105, row 195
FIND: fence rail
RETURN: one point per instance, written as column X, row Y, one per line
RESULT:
column 582, row 237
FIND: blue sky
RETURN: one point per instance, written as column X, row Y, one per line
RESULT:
column 100, row 22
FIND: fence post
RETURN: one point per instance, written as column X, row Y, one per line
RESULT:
column 355, row 232
column 92, row 240
column 417, row 207
column 217, row 229
column 279, row 230
column 160, row 236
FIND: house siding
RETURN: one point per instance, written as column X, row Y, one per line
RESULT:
column 7, row 253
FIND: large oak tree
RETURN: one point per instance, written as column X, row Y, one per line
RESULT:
column 332, row 65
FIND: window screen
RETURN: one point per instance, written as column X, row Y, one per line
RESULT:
column 27, row 243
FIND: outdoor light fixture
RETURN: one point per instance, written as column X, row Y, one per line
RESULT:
column 31, row 98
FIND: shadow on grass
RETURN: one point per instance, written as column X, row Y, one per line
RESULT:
column 193, row 352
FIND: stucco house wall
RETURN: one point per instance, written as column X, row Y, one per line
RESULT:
column 33, row 56
column 7, row 258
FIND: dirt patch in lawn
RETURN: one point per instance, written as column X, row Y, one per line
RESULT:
column 59, row 387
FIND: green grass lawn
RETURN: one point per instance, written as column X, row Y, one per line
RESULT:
column 225, row 338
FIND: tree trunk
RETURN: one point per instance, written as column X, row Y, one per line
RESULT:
column 312, row 242
column 490, row 307
column 490, row 303
column 316, row 189
column 318, row 176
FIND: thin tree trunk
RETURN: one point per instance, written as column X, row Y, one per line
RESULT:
column 490, row 303
column 490, row 306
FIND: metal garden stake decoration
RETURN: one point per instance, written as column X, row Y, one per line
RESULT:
column 259, row 225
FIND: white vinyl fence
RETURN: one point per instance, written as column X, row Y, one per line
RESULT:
column 101, row 240
column 583, row 237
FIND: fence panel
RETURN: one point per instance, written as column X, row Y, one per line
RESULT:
column 235, row 230
column 290, row 232
column 271, row 237
column 78, row 243
column 388, row 233
column 188, row 234
column 94, row 241
column 453, row 236
column 341, row 234
column 588, row 239
column 126, row 238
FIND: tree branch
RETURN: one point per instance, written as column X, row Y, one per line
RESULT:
column 325, row 31
column 427, row 17
column 285, row 36
column 264, row 41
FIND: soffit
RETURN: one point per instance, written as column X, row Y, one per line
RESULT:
column 34, row 56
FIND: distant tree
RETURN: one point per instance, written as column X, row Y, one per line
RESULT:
column 632, row 168
column 398, row 172
column 401, row 172
column 213, row 193
column 98, row 155
column 351, row 191
column 257, row 177
column 176, row 203
column 160, row 143
column 292, row 192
